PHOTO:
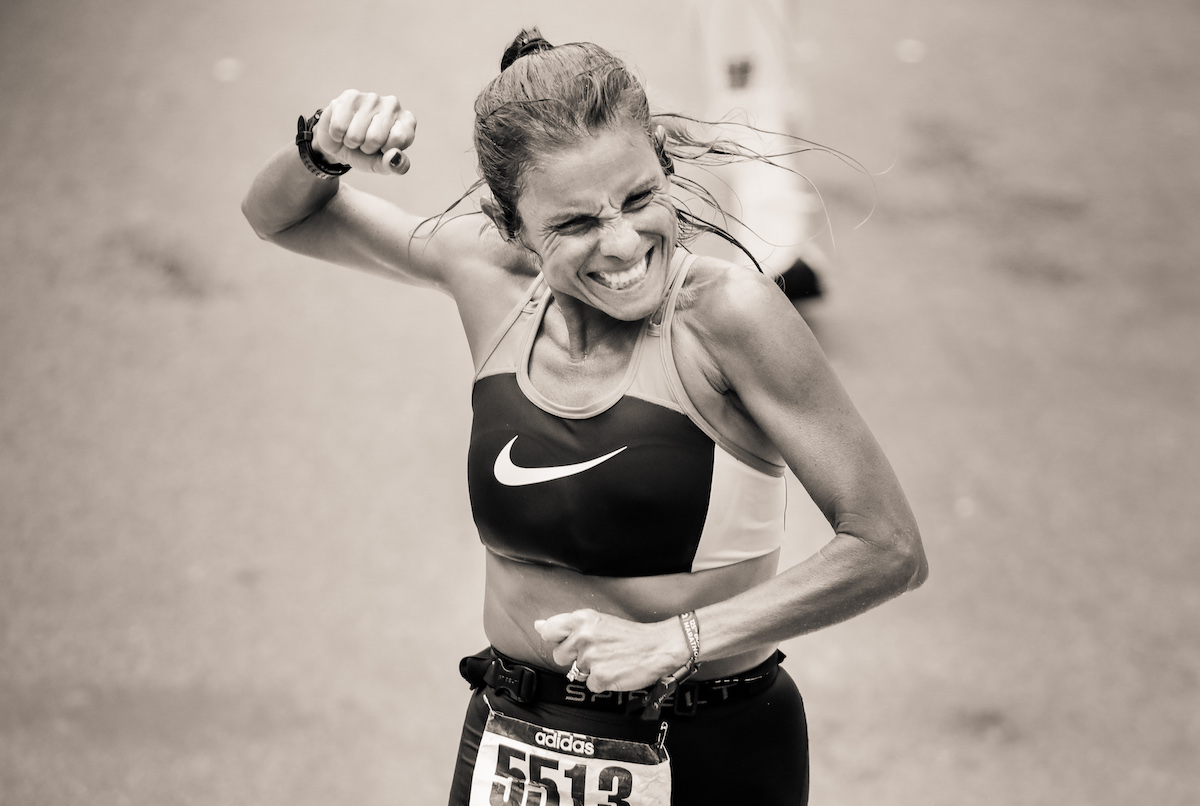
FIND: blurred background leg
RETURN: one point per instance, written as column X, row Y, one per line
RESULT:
column 748, row 53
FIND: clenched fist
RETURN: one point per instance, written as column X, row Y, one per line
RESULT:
column 366, row 131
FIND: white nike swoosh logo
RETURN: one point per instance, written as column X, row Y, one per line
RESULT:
column 511, row 475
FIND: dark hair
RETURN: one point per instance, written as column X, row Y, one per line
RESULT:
column 547, row 97
column 530, row 40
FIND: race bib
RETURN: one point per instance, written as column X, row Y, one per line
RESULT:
column 522, row 764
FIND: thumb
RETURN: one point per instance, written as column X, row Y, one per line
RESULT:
column 395, row 161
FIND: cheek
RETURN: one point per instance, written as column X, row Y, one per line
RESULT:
column 564, row 247
column 663, row 202
column 662, row 212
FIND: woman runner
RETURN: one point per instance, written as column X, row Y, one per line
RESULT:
column 635, row 409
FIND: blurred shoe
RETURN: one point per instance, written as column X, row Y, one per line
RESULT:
column 800, row 281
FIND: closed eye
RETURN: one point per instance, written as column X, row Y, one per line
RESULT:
column 639, row 200
column 580, row 224
column 574, row 225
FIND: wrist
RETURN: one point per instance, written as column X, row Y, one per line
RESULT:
column 688, row 628
column 314, row 160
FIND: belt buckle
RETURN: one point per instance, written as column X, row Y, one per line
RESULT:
column 518, row 682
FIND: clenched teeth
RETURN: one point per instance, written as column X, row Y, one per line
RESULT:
column 617, row 280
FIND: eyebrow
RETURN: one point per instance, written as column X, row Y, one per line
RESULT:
column 645, row 186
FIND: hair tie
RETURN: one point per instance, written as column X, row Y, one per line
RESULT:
column 533, row 46
column 523, row 47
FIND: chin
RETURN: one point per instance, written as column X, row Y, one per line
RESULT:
column 630, row 295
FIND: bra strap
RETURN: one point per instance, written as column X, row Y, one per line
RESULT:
column 531, row 294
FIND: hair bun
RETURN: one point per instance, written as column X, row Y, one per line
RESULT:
column 528, row 41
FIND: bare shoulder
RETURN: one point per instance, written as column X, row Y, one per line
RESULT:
column 484, row 274
column 743, row 353
column 736, row 312
column 721, row 288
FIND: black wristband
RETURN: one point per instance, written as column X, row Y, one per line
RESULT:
column 312, row 160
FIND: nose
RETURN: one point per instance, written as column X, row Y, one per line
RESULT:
column 619, row 239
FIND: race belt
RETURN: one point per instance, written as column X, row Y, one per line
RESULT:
column 528, row 684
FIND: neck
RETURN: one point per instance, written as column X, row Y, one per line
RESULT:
column 582, row 331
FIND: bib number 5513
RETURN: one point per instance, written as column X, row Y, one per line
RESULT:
column 544, row 776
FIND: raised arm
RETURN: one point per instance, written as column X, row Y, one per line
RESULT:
column 324, row 218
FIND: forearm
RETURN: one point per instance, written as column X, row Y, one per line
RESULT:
column 847, row 577
column 285, row 193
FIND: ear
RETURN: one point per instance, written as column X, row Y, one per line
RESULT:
column 493, row 212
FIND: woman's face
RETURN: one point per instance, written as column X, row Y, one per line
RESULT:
column 599, row 216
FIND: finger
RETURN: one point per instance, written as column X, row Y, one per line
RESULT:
column 356, row 130
column 336, row 118
column 396, row 161
column 565, row 654
column 403, row 132
column 380, row 127
column 557, row 628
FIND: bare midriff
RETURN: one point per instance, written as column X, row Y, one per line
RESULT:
column 517, row 594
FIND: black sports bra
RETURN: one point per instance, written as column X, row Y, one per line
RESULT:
column 635, row 484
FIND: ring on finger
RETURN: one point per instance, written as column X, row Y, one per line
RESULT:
column 577, row 675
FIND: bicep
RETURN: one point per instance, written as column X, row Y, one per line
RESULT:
column 771, row 360
column 363, row 231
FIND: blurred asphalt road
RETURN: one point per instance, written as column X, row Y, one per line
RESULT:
column 236, row 559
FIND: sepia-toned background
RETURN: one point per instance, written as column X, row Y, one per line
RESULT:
column 237, row 563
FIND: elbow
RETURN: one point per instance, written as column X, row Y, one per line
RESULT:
column 919, row 571
column 911, row 567
column 254, row 221
column 902, row 564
